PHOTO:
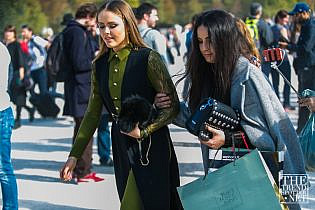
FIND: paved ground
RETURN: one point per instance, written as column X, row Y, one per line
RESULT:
column 39, row 149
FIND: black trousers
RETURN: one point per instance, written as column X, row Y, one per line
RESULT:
column 84, row 164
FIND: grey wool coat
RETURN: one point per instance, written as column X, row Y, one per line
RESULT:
column 263, row 118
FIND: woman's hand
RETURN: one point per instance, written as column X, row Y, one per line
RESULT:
column 217, row 140
column 255, row 61
column 67, row 169
column 283, row 45
column 135, row 133
column 162, row 101
column 309, row 102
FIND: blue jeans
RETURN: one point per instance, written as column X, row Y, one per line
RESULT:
column 7, row 177
column 103, row 139
column 40, row 77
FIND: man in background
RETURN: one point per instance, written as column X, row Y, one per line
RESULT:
column 79, row 55
column 35, row 47
column 147, row 15
column 260, row 31
column 304, row 63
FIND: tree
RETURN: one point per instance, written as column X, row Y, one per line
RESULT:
column 133, row 3
column 18, row 13
column 55, row 12
column 168, row 12
column 186, row 9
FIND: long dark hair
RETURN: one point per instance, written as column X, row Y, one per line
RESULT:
column 213, row 79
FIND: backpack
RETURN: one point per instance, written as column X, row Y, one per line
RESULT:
column 253, row 30
column 56, row 62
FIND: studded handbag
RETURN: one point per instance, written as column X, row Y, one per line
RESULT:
column 214, row 114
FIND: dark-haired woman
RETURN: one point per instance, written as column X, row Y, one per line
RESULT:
column 281, row 33
column 146, row 178
column 219, row 67
column 18, row 92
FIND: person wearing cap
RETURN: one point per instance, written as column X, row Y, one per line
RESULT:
column 66, row 18
column 52, row 83
column 304, row 63
column 260, row 31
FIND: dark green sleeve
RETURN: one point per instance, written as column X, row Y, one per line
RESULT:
column 162, row 83
column 90, row 121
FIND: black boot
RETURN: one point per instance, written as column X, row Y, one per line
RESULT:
column 31, row 114
column 17, row 124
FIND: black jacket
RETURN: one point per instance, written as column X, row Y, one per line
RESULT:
column 79, row 54
column 305, row 47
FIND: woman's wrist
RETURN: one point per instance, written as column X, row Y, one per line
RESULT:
column 72, row 158
column 144, row 133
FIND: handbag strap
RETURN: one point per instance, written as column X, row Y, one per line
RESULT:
column 238, row 134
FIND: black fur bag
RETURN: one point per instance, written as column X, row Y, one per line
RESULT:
column 135, row 109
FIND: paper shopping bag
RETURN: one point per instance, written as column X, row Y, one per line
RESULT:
column 307, row 140
column 245, row 184
column 224, row 156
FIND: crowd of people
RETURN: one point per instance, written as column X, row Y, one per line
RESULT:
column 116, row 51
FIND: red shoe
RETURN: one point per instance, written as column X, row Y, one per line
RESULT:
column 89, row 176
column 77, row 180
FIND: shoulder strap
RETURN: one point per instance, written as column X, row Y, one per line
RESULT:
column 146, row 33
column 40, row 48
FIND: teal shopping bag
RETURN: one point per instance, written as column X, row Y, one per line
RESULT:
column 307, row 137
column 245, row 184
column 307, row 140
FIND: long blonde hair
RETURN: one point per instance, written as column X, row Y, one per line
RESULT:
column 122, row 9
column 248, row 45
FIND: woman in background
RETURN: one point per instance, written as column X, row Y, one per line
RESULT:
column 17, row 88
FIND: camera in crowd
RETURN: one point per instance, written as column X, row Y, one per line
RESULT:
column 214, row 114
column 273, row 54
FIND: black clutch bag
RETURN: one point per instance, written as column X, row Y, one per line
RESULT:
column 215, row 114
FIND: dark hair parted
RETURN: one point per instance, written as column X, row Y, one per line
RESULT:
column 280, row 15
column 213, row 79
column 86, row 10
column 122, row 9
